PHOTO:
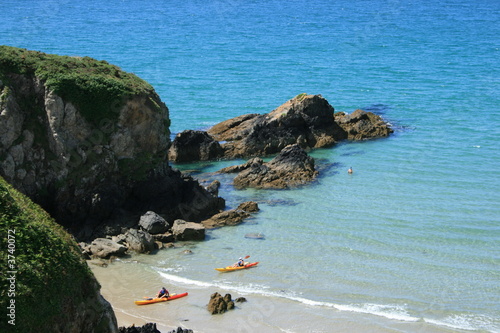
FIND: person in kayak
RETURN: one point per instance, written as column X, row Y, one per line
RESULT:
column 163, row 293
column 240, row 263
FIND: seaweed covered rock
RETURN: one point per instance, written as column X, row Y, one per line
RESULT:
column 53, row 289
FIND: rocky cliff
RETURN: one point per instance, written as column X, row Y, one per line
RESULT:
column 89, row 142
column 46, row 286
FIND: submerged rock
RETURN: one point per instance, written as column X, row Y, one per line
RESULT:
column 255, row 235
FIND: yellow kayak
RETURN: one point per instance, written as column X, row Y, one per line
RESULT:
column 232, row 268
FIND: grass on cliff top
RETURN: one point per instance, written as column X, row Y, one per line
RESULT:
column 97, row 88
column 50, row 273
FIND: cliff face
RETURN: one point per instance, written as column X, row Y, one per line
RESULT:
column 89, row 143
column 48, row 286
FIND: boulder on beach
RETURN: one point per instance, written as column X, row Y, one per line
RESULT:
column 140, row 241
column 219, row 304
column 150, row 328
column 184, row 231
column 292, row 167
column 153, row 223
column 105, row 248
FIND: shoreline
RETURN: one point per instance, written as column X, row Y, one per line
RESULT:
column 122, row 283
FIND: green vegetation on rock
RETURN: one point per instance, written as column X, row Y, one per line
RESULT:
column 51, row 281
column 97, row 88
column 300, row 97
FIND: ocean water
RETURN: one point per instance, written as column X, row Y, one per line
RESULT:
column 410, row 242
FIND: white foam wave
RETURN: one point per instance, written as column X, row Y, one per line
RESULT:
column 466, row 322
column 182, row 280
column 391, row 311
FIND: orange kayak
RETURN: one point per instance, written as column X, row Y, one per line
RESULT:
column 232, row 268
column 157, row 300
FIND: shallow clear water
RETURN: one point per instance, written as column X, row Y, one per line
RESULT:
column 413, row 235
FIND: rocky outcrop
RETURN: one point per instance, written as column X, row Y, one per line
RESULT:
column 362, row 125
column 231, row 217
column 290, row 168
column 89, row 143
column 153, row 223
column 249, row 206
column 189, row 146
column 185, row 231
column 306, row 120
column 219, row 304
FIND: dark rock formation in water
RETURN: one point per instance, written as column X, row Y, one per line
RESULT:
column 290, row 168
column 306, row 120
column 232, row 216
column 362, row 125
column 189, row 146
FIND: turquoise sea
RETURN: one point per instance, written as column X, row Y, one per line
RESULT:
column 410, row 242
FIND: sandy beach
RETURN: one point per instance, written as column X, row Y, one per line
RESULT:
column 127, row 280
